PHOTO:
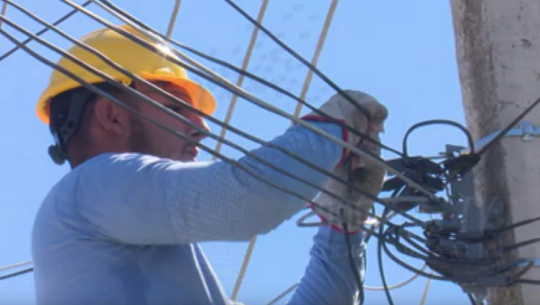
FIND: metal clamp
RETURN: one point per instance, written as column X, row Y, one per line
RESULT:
column 525, row 130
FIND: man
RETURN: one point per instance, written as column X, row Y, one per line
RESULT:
column 122, row 226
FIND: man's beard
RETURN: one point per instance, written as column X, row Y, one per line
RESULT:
column 138, row 139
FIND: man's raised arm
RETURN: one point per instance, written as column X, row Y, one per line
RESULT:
column 138, row 199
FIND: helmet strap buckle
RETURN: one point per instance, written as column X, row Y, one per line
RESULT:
column 58, row 151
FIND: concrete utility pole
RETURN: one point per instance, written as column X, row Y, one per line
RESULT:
column 498, row 53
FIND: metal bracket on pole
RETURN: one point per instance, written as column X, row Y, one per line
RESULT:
column 525, row 130
column 474, row 217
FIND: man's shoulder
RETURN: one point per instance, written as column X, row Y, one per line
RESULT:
column 117, row 161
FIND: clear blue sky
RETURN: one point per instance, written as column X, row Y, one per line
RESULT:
column 402, row 52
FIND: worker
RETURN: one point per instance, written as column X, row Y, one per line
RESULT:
column 123, row 226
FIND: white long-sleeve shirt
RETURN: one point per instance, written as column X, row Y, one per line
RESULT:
column 123, row 228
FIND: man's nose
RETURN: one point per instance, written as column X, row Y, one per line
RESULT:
column 203, row 129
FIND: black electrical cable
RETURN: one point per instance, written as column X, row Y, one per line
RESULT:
column 402, row 263
column 527, row 281
column 14, row 274
column 511, row 125
column 298, row 57
column 466, row 276
column 471, row 298
column 436, row 122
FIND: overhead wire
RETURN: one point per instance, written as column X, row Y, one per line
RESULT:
column 172, row 19
column 16, row 265
column 425, row 291
column 244, row 67
column 508, row 127
column 3, row 12
column 16, row 273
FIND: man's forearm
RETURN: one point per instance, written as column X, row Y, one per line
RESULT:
column 329, row 278
column 244, row 205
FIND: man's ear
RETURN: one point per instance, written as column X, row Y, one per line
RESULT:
column 110, row 117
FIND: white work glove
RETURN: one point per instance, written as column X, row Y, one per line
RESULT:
column 371, row 172
column 353, row 204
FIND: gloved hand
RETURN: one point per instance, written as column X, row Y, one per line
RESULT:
column 341, row 109
column 353, row 204
column 366, row 175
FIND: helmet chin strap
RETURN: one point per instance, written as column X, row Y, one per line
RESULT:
column 62, row 135
column 77, row 103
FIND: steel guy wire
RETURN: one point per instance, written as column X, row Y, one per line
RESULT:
column 172, row 20
column 169, row 95
column 16, row 265
column 3, row 12
column 239, row 82
column 241, row 71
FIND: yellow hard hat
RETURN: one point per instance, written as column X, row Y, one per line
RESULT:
column 131, row 56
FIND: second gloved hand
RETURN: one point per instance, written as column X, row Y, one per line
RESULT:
column 349, row 206
column 365, row 116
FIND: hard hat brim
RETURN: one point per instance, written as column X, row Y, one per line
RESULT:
column 201, row 99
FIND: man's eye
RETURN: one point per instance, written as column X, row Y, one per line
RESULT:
column 176, row 109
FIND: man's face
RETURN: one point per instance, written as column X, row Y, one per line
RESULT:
column 145, row 137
